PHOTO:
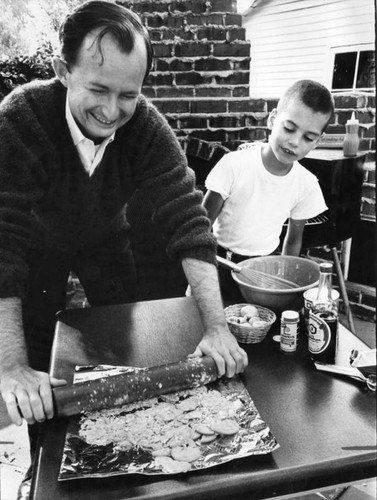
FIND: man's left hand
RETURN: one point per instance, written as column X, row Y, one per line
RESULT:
column 217, row 340
column 222, row 346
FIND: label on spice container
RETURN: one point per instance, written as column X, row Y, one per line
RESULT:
column 288, row 331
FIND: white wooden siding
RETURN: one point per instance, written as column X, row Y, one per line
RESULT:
column 292, row 39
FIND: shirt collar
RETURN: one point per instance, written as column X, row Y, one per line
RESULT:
column 76, row 133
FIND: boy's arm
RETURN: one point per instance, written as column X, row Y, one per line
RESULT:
column 213, row 203
column 293, row 238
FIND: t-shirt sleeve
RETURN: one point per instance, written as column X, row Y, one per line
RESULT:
column 221, row 177
column 311, row 202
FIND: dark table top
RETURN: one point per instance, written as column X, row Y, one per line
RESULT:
column 332, row 154
column 325, row 423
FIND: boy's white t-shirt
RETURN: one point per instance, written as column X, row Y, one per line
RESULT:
column 257, row 203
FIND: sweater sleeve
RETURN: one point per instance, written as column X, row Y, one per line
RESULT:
column 170, row 185
column 19, row 179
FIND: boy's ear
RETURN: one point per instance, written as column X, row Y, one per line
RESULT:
column 61, row 69
column 271, row 118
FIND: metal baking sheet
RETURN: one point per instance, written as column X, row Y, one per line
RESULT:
column 98, row 444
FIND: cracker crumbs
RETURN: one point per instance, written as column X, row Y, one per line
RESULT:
column 173, row 430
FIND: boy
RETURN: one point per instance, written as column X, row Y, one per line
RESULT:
column 252, row 192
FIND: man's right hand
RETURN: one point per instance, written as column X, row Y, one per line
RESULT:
column 27, row 394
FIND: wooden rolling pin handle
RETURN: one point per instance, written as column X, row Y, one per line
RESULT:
column 129, row 387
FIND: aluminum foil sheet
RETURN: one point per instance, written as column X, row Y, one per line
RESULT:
column 143, row 437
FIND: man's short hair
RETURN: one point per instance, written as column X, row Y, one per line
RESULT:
column 108, row 18
column 311, row 93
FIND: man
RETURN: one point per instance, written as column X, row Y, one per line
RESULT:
column 73, row 151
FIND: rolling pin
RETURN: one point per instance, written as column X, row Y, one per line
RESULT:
column 124, row 388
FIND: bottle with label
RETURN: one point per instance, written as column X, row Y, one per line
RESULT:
column 323, row 320
column 288, row 331
column 351, row 139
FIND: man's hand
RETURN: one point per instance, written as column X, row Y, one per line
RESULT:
column 217, row 340
column 222, row 346
column 27, row 394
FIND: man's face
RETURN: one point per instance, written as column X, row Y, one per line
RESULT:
column 103, row 89
column 296, row 130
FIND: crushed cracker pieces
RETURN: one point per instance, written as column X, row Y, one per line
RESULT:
column 140, row 437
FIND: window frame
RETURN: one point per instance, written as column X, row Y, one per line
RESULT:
column 361, row 47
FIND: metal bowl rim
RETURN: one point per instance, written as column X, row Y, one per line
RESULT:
column 276, row 290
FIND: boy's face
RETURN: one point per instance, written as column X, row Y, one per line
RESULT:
column 102, row 93
column 295, row 130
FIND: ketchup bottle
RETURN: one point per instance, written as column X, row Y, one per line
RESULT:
column 351, row 139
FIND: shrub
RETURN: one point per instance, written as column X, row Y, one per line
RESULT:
column 22, row 69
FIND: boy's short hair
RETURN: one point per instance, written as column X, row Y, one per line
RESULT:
column 311, row 93
column 120, row 23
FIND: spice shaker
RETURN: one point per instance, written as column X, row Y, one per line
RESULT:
column 288, row 331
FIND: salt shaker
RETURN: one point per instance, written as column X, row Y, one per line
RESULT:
column 351, row 139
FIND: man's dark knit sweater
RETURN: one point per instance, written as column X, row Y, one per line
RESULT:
column 49, row 202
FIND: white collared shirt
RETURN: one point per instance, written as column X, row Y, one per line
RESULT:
column 90, row 153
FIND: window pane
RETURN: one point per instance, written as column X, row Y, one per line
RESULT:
column 344, row 70
column 366, row 76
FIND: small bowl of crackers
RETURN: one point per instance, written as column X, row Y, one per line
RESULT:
column 249, row 323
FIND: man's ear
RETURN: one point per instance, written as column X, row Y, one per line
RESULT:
column 61, row 69
column 271, row 118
